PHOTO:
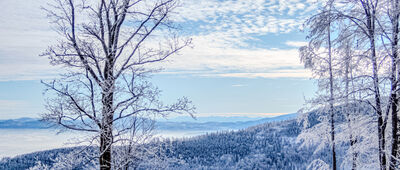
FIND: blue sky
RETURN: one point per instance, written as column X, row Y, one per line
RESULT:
column 244, row 60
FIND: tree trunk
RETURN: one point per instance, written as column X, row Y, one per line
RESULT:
column 331, row 99
column 352, row 141
column 381, row 132
column 394, row 150
column 377, row 96
column 106, row 137
column 394, row 81
column 105, row 148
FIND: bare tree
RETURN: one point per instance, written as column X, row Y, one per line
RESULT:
column 348, row 109
column 395, row 77
column 107, row 48
column 390, row 32
column 320, row 35
column 364, row 16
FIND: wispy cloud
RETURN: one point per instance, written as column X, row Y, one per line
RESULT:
column 296, row 43
column 229, row 28
column 15, row 108
column 239, row 85
column 25, row 33
column 211, row 57
column 223, row 38
column 243, row 16
column 291, row 74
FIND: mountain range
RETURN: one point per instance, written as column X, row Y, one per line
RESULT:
column 181, row 124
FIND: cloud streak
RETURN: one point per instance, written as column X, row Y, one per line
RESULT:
column 210, row 57
column 11, row 108
column 224, row 37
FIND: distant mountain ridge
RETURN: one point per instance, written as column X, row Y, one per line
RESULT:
column 219, row 125
column 23, row 123
column 32, row 123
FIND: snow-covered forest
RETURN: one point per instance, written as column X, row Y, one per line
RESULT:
column 353, row 53
column 109, row 50
column 266, row 146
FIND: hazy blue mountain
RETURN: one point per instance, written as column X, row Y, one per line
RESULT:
column 203, row 123
column 214, row 125
column 23, row 123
